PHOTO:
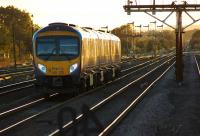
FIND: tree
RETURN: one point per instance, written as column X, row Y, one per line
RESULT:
column 195, row 40
column 146, row 44
column 17, row 24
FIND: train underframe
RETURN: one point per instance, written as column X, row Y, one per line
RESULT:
column 76, row 84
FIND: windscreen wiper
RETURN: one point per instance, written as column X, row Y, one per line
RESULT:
column 50, row 54
column 65, row 55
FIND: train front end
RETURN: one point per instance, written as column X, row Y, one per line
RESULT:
column 56, row 53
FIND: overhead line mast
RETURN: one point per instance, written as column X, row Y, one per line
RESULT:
column 178, row 9
column 154, row 2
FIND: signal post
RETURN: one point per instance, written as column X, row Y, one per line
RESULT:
column 178, row 9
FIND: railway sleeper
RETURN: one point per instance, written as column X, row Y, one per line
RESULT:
column 42, row 90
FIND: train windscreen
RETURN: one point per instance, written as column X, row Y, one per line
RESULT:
column 57, row 48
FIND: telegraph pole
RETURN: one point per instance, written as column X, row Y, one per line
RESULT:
column 14, row 48
column 140, row 26
column 125, row 35
column 178, row 9
column 140, row 34
column 127, row 40
column 154, row 36
column 132, row 38
column 161, row 26
column 105, row 28
column 32, row 26
column 147, row 27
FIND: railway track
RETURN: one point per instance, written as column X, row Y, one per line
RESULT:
column 16, row 87
column 27, row 84
column 30, row 84
column 22, row 121
column 7, row 75
column 20, row 91
column 197, row 60
column 13, row 70
column 105, row 106
column 5, row 72
column 14, row 80
column 111, row 125
column 20, row 85
column 19, row 73
column 12, row 93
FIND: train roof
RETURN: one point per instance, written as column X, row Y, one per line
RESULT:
column 83, row 32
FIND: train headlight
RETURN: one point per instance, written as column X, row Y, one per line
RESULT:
column 42, row 68
column 73, row 67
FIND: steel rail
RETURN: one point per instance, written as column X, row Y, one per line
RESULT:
column 18, row 108
column 127, row 60
column 2, row 114
column 119, row 78
column 16, row 89
column 31, row 85
column 138, row 69
column 141, row 64
column 52, row 108
column 122, row 115
column 107, row 99
column 19, row 83
column 197, row 64
column 12, row 69
column 39, row 100
column 16, row 73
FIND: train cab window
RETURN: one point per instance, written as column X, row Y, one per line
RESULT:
column 68, row 46
column 57, row 47
column 46, row 46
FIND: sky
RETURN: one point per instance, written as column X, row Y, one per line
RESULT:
column 90, row 13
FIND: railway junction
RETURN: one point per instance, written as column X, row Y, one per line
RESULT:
column 145, row 100
column 152, row 95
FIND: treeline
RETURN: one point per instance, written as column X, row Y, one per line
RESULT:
column 16, row 27
column 149, row 43
column 195, row 41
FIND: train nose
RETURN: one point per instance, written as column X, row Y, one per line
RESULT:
column 57, row 70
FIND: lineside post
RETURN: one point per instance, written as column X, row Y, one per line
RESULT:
column 179, row 60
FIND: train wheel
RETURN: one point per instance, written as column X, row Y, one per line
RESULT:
column 99, row 78
column 91, row 82
column 113, row 73
column 102, row 77
column 108, row 75
column 118, row 72
column 95, row 80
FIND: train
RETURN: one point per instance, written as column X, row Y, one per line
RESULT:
column 66, row 56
